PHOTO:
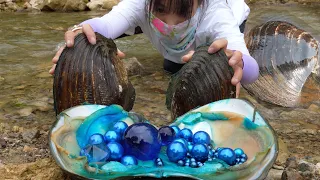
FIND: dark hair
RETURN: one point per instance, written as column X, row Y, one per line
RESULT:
column 181, row 7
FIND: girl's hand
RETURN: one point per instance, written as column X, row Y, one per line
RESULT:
column 69, row 38
column 235, row 60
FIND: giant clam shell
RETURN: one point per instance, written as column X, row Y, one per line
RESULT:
column 288, row 58
column 230, row 123
column 206, row 78
column 91, row 74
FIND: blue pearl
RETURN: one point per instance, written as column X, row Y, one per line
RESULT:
column 201, row 137
column 193, row 164
column 187, row 164
column 190, row 146
column 238, row 152
column 200, row 152
column 116, row 150
column 176, row 129
column 227, row 155
column 96, row 153
column 185, row 134
column 129, row 160
column 158, row 160
column 167, row 134
column 183, row 141
column 237, row 160
column 112, row 136
column 210, row 159
column 160, row 163
column 242, row 160
column 95, row 139
column 120, row 127
column 244, row 156
column 176, row 151
column 187, row 160
column 142, row 140
column 193, row 160
column 180, row 163
column 200, row 164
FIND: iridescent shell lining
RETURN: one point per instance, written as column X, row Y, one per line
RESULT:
column 227, row 126
column 287, row 57
column 91, row 74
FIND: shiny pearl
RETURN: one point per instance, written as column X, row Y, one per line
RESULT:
column 200, row 152
column 180, row 163
column 167, row 134
column 129, row 160
column 227, row 155
column 95, row 139
column 116, row 151
column 244, row 156
column 238, row 152
column 183, row 141
column 176, row 129
column 185, row 134
column 201, row 137
column 120, row 127
column 193, row 164
column 176, row 151
column 112, row 136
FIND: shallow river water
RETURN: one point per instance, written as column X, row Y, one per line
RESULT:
column 28, row 41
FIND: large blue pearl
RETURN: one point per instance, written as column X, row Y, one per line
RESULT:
column 186, row 134
column 201, row 137
column 183, row 141
column 116, row 151
column 176, row 151
column 176, row 129
column 227, row 155
column 96, row 153
column 142, row 141
column 200, row 152
column 120, row 127
column 167, row 135
column 112, row 136
column 129, row 160
column 95, row 139
column 238, row 152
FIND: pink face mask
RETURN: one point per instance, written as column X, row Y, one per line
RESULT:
column 175, row 38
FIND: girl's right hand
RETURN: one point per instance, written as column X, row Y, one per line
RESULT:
column 69, row 38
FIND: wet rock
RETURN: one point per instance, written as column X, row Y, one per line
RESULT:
column 277, row 167
column 1, row 2
column 317, row 169
column 305, row 166
column 25, row 111
column 31, row 134
column 27, row 5
column 314, row 108
column 291, row 163
column 27, row 149
column 58, row 5
column 133, row 66
column 291, row 175
column 42, row 106
column 274, row 174
column 3, row 143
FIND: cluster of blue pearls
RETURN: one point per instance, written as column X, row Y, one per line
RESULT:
column 194, row 150
column 108, row 147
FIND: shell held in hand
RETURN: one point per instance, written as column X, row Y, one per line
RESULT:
column 289, row 64
column 91, row 74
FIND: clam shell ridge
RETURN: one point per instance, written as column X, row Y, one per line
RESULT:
column 91, row 74
column 288, row 58
column 206, row 78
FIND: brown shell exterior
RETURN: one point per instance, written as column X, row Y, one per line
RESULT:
column 205, row 79
column 91, row 74
column 287, row 57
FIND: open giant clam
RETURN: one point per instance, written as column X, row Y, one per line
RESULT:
column 289, row 64
column 206, row 78
column 230, row 123
column 91, row 74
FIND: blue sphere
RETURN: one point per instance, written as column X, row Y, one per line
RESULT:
column 120, row 127
column 95, row 139
column 142, row 141
column 116, row 151
column 228, row 156
column 176, row 129
column 183, row 141
column 176, row 151
column 185, row 134
column 238, row 152
column 112, row 136
column 244, row 156
column 167, row 135
column 200, row 152
column 129, row 160
column 201, row 137
column 96, row 153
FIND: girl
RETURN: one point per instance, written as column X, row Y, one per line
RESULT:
column 176, row 28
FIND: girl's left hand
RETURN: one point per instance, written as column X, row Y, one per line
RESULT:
column 235, row 60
